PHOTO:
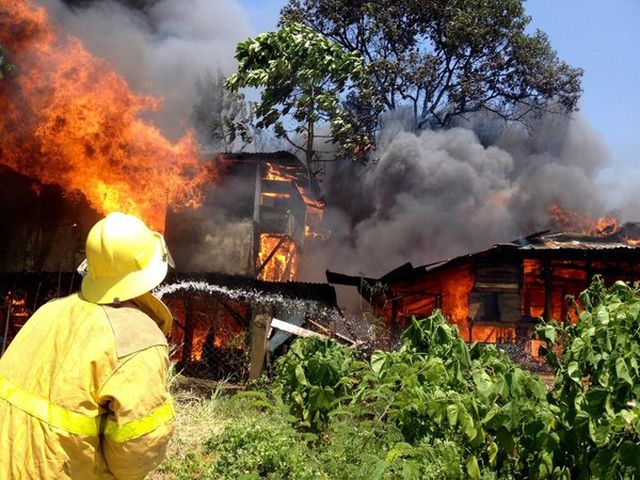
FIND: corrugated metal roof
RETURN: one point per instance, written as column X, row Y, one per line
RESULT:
column 627, row 238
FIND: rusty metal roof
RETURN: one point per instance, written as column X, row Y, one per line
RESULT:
column 626, row 237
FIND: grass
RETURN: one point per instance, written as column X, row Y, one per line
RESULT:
column 200, row 415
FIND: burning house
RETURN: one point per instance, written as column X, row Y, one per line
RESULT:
column 237, row 255
column 499, row 294
column 255, row 222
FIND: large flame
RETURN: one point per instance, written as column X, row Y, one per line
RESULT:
column 456, row 286
column 583, row 223
column 67, row 118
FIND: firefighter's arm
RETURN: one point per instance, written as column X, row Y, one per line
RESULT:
column 140, row 414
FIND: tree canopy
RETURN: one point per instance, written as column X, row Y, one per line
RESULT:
column 303, row 77
column 445, row 58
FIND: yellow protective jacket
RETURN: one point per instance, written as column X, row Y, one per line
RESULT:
column 83, row 394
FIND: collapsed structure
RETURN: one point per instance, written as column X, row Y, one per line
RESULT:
column 498, row 295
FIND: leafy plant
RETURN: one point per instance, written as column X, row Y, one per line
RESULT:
column 598, row 383
column 433, row 389
column 303, row 76
column 312, row 378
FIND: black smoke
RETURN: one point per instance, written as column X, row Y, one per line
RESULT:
column 432, row 195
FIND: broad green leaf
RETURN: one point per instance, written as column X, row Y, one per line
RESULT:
column 452, row 415
column 300, row 376
column 473, row 470
column 378, row 359
column 573, row 369
column 622, row 371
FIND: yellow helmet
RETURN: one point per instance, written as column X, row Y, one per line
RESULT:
column 126, row 260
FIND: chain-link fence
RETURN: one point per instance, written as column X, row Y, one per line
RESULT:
column 210, row 338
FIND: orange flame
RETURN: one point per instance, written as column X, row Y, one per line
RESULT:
column 69, row 119
column 456, row 286
column 583, row 223
column 273, row 173
column 282, row 266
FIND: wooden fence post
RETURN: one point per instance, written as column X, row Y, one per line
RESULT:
column 259, row 330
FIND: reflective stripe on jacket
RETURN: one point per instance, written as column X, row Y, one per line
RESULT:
column 83, row 394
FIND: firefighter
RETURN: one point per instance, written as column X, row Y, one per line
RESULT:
column 83, row 386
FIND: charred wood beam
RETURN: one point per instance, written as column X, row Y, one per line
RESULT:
column 287, row 270
column 256, row 219
column 270, row 256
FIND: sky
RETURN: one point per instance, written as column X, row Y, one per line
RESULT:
column 603, row 38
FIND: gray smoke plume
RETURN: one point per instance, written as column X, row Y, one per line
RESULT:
column 432, row 195
column 161, row 47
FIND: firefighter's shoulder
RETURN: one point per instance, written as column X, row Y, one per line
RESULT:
column 133, row 329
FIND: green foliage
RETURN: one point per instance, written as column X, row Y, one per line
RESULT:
column 302, row 75
column 445, row 58
column 598, row 383
column 438, row 408
column 6, row 68
column 265, row 446
column 312, row 378
column 434, row 389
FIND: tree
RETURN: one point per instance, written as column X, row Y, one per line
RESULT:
column 6, row 68
column 304, row 77
column 445, row 58
column 219, row 115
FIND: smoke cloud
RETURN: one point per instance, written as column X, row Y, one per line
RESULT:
column 432, row 195
column 429, row 195
column 161, row 47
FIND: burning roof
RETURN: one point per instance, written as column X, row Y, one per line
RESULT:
column 625, row 239
column 627, row 236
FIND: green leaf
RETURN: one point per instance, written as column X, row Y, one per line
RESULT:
column 399, row 450
column 547, row 333
column 300, row 376
column 492, row 451
column 630, row 455
column 622, row 371
column 452, row 415
column 599, row 433
column 573, row 370
column 473, row 470
column 378, row 359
